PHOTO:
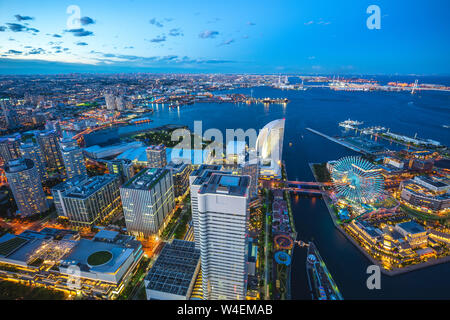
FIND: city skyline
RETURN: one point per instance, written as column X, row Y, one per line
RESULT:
column 291, row 37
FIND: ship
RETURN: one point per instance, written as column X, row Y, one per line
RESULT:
column 321, row 283
column 350, row 124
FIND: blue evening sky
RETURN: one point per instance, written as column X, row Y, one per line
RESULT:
column 292, row 36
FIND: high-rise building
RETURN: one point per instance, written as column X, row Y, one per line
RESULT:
column 110, row 100
column 73, row 158
column 10, row 148
column 10, row 114
column 24, row 180
column 148, row 199
column 223, row 219
column 269, row 147
column 156, row 156
column 197, row 178
column 89, row 201
column 122, row 167
column 48, row 141
column 32, row 151
column 180, row 174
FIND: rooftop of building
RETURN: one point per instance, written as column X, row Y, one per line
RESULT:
column 204, row 167
column 158, row 147
column 85, row 188
column 176, row 167
column 69, row 183
column 145, row 179
column 411, row 227
column 174, row 269
column 18, row 165
column 222, row 183
column 431, row 181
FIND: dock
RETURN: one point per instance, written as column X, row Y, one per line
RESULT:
column 342, row 143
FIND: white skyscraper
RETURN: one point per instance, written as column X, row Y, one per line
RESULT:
column 197, row 178
column 222, row 222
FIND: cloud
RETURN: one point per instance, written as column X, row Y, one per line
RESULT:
column 80, row 43
column 80, row 32
column 158, row 39
column 23, row 18
column 227, row 42
column 208, row 34
column 156, row 23
column 175, row 32
column 318, row 22
column 16, row 27
column 2, row 28
column 36, row 51
column 311, row 57
column 86, row 21
column 57, row 35
column 14, row 52
column 251, row 23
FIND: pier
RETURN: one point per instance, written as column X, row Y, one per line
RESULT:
column 342, row 143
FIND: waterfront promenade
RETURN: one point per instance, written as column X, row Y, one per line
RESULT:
column 397, row 271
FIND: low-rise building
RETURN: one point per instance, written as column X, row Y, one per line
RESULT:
column 174, row 272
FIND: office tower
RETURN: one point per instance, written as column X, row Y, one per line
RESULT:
column 122, row 167
column 223, row 219
column 198, row 177
column 10, row 148
column 88, row 201
column 120, row 103
column 48, row 141
column 156, row 156
column 147, row 201
column 180, row 174
column 23, row 178
column 73, row 158
column 32, row 151
column 269, row 147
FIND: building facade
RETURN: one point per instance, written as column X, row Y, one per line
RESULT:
column 148, row 198
column 73, row 158
column 223, row 237
column 121, row 167
column 48, row 141
column 89, row 201
column 156, row 156
column 180, row 174
column 33, row 151
column 25, row 182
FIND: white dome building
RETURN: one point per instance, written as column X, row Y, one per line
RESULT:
column 269, row 146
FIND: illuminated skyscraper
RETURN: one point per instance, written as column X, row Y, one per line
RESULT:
column 73, row 158
column 121, row 167
column 10, row 148
column 222, row 220
column 33, row 151
column 147, row 200
column 156, row 156
column 48, row 141
column 23, row 178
